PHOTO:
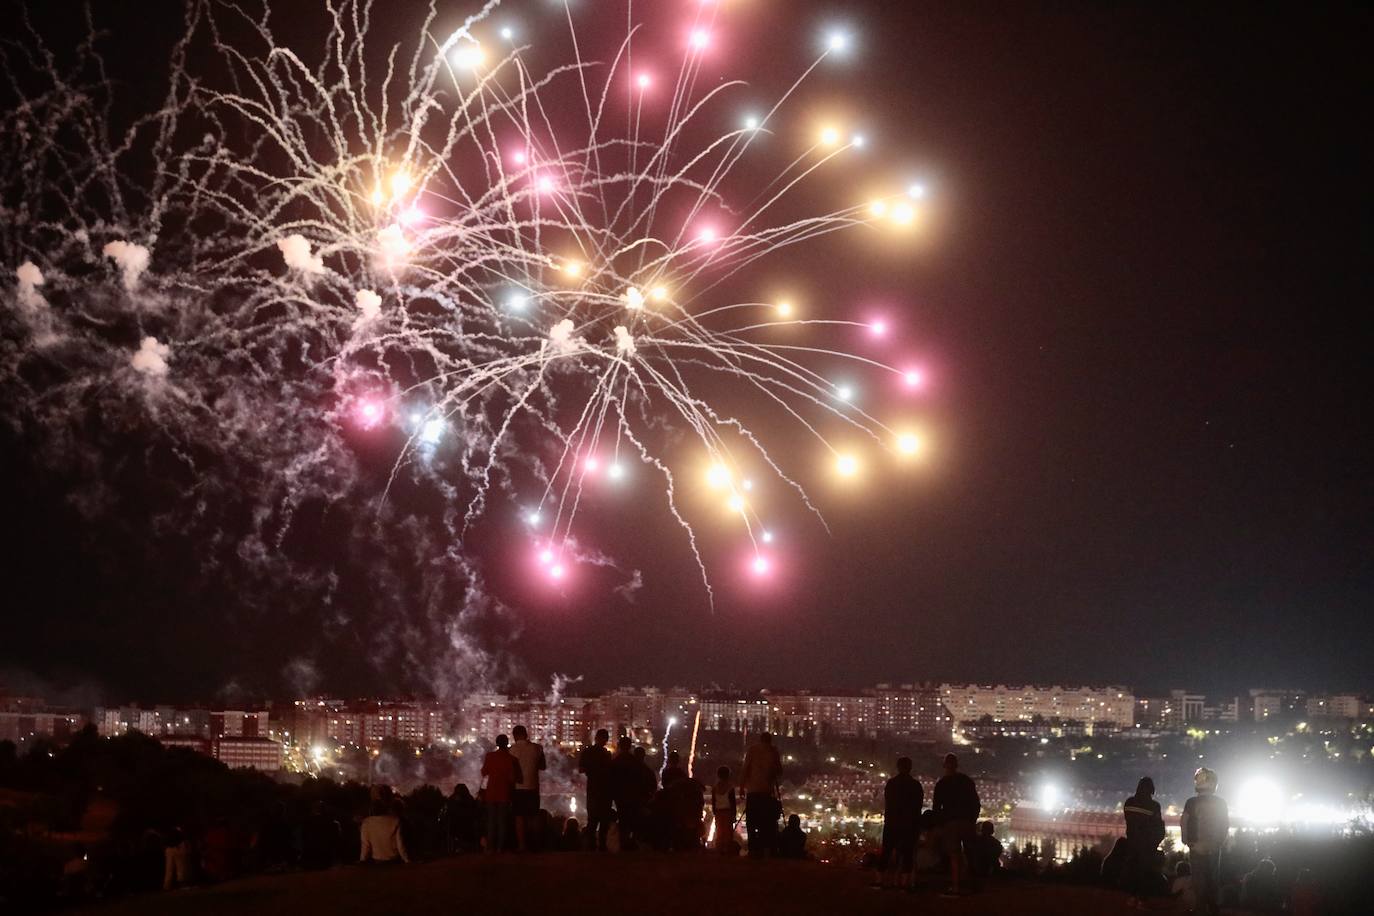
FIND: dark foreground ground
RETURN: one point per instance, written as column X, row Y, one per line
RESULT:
column 646, row 884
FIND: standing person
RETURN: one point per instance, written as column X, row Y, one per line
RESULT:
column 673, row 771
column 956, row 806
column 1204, row 826
column 176, row 871
column 627, row 786
column 502, row 772
column 724, row 812
column 595, row 764
column 759, row 778
column 525, row 802
column 903, row 799
column 1144, row 833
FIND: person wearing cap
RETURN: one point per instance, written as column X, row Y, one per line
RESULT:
column 1204, row 826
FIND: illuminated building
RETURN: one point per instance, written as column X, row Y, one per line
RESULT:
column 254, row 753
column 1112, row 705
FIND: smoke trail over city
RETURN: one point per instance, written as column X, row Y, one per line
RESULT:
column 331, row 314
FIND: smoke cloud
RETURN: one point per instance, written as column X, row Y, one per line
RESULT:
column 295, row 250
column 151, row 358
column 624, row 343
column 561, row 336
column 369, row 307
column 131, row 258
column 30, row 278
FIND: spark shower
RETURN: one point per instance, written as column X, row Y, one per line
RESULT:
column 535, row 283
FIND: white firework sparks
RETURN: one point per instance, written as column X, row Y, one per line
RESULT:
column 526, row 267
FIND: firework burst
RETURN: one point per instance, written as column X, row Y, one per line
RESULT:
column 523, row 273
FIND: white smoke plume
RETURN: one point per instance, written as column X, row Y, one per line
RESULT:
column 131, row 258
column 369, row 307
column 624, row 343
column 295, row 250
column 151, row 358
column 30, row 278
column 561, row 336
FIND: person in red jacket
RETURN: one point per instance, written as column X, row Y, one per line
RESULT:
column 502, row 773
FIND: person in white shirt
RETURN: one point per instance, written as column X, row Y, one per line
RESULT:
column 381, row 837
column 526, row 798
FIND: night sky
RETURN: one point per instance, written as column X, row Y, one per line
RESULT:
column 1145, row 304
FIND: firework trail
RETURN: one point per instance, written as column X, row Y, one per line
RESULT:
column 515, row 275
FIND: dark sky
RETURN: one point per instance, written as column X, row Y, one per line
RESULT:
column 1146, row 304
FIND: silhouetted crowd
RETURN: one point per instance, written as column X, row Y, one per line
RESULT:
column 184, row 819
column 1199, row 882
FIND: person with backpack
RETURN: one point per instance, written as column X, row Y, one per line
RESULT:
column 1205, row 826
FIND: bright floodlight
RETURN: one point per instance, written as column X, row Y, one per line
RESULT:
column 1049, row 797
column 1259, row 801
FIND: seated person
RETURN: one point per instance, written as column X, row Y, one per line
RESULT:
column 792, row 840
